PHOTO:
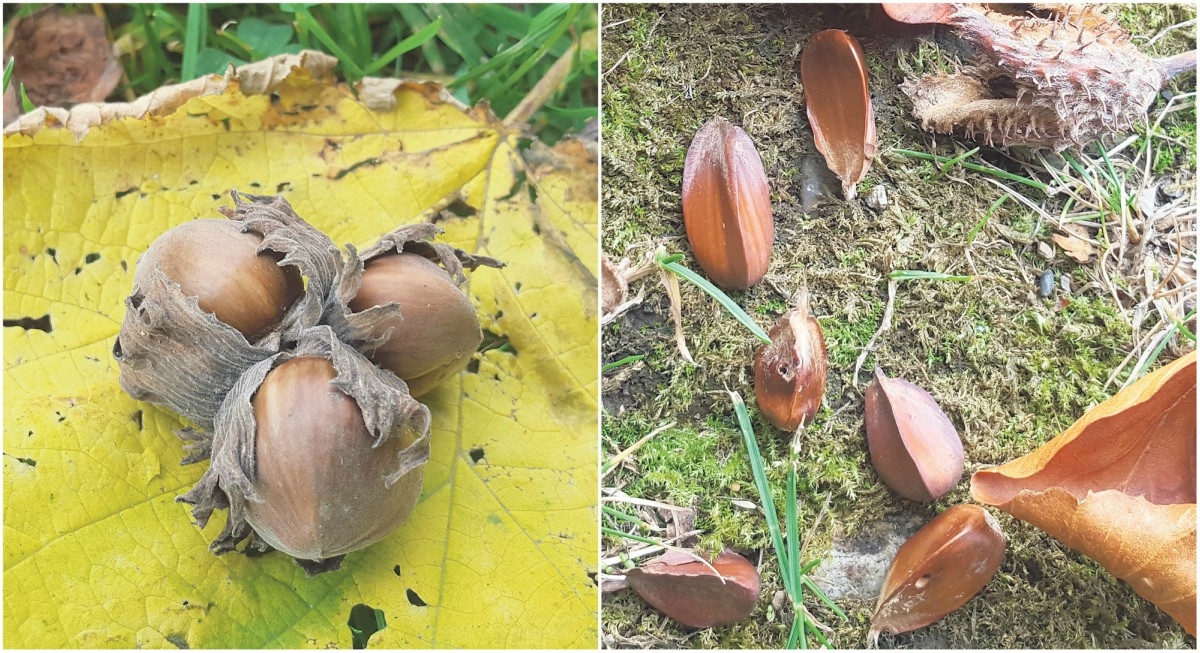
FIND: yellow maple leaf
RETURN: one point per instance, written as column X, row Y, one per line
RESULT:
column 97, row 553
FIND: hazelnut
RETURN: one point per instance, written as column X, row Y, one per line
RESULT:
column 401, row 306
column 437, row 330
column 220, row 265
column 317, row 452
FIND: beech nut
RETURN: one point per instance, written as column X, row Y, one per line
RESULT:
column 727, row 205
column 914, row 447
column 789, row 373
column 437, row 330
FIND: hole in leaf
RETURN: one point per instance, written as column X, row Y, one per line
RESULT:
column 493, row 340
column 365, row 621
column 279, row 188
column 117, row 353
column 476, row 454
column 473, row 366
column 178, row 640
column 923, row 581
column 29, row 323
column 137, row 417
column 28, row 461
column 461, row 209
column 53, row 253
column 365, row 162
column 516, row 187
column 122, row 193
column 396, row 570
column 415, row 599
column 91, row 258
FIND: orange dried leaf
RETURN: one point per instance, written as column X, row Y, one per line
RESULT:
column 833, row 71
column 1120, row 487
column 1075, row 247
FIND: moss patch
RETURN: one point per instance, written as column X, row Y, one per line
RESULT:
column 1010, row 369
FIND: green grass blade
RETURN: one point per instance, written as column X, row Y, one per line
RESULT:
column 823, row 597
column 621, row 363
column 996, row 172
column 798, row 608
column 986, row 216
column 793, row 527
column 8, row 71
column 716, row 293
column 193, row 40
column 758, row 469
column 910, row 275
column 419, row 38
column 629, row 536
column 26, row 105
column 796, row 634
column 305, row 19
column 621, row 516
column 955, row 161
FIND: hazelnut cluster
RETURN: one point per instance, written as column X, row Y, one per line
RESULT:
column 300, row 365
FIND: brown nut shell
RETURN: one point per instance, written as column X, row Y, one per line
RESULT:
column 727, row 205
column 914, row 448
column 323, row 487
column 837, row 99
column 686, row 590
column 789, row 373
column 437, row 330
column 938, row 569
column 173, row 347
column 219, row 264
column 319, row 459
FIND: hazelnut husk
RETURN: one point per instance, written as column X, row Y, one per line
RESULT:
column 404, row 307
column 317, row 452
column 212, row 297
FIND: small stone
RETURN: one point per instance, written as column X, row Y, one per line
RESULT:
column 1064, row 282
column 877, row 198
column 1045, row 251
column 1047, row 283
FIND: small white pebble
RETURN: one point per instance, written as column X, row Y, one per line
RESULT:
column 877, row 198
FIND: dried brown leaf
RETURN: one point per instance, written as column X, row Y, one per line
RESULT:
column 1120, row 487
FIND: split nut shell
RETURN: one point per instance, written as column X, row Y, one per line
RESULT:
column 914, row 447
column 939, row 569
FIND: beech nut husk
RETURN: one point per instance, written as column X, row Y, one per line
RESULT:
column 727, row 205
column 211, row 298
column 938, row 569
column 405, row 310
column 914, row 447
column 317, row 452
column 789, row 373
column 687, row 590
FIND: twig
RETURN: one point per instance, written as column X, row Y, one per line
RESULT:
column 884, row 325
